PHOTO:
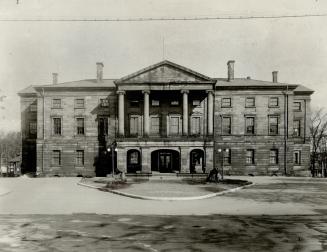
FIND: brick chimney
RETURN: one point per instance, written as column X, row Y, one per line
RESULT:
column 274, row 76
column 230, row 65
column 99, row 71
column 54, row 78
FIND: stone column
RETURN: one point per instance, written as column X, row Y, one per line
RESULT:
column 210, row 113
column 146, row 115
column 121, row 113
column 185, row 112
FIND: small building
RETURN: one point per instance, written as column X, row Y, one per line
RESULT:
column 166, row 118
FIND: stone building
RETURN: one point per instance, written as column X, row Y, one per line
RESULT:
column 166, row 118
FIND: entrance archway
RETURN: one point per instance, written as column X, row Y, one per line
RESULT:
column 133, row 161
column 197, row 161
column 165, row 161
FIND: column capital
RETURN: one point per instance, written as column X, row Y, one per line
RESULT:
column 184, row 91
column 146, row 92
column 209, row 91
column 120, row 92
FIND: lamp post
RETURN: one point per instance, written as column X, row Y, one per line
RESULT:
column 112, row 148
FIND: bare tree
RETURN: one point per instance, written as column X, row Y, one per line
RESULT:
column 318, row 131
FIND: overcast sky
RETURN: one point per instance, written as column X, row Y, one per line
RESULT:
column 31, row 51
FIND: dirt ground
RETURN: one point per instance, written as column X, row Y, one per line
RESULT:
column 90, row 232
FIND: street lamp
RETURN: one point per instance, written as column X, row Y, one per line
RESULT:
column 222, row 160
column 112, row 148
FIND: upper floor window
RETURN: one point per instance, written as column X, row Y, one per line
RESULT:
column 226, row 125
column 273, row 125
column 80, row 157
column 56, row 125
column 155, row 103
column 33, row 128
column 273, row 102
column 134, row 104
column 250, row 102
column 56, row 103
column 174, row 103
column 174, row 125
column 273, row 158
column 80, row 129
column 249, row 125
column 155, row 125
column 196, row 125
column 297, row 106
column 196, row 102
column 297, row 157
column 103, row 126
column 134, row 125
column 33, row 107
column 79, row 103
column 56, row 157
column 296, row 128
column 226, row 102
column 250, row 156
column 104, row 103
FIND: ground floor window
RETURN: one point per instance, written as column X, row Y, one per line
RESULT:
column 227, row 157
column 133, row 161
column 273, row 156
column 197, row 161
column 250, row 156
column 80, row 157
column 297, row 157
column 56, row 157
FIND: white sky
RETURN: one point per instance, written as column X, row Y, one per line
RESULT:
column 31, row 51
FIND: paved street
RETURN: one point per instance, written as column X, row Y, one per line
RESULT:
column 54, row 214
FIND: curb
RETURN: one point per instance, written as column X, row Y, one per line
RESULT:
column 134, row 196
column 4, row 193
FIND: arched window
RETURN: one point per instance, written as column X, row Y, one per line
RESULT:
column 133, row 161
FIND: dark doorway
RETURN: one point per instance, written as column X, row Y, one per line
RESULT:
column 133, row 161
column 165, row 161
column 197, row 161
column 103, row 164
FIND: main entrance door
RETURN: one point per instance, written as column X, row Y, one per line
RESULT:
column 165, row 161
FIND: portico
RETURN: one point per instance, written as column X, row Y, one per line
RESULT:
column 165, row 107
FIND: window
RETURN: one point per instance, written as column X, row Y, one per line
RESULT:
column 226, row 102
column 134, row 157
column 134, row 104
column 80, row 126
column 297, row 106
column 56, row 126
column 103, row 126
column 227, row 156
column 196, row 102
column 174, row 103
column 33, row 107
column 273, row 102
column 250, row 102
column 80, row 157
column 79, row 103
column 195, row 125
column 273, row 159
column 134, row 125
column 174, row 125
column 273, row 125
column 56, row 103
column 33, row 128
column 249, row 125
column 104, row 103
column 155, row 103
column 250, row 156
column 297, row 157
column 296, row 128
column 226, row 125
column 56, row 157
column 155, row 125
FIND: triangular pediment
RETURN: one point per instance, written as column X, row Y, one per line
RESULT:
column 165, row 72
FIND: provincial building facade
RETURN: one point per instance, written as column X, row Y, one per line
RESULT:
column 166, row 118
